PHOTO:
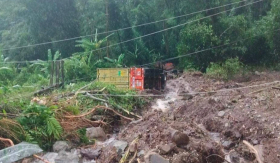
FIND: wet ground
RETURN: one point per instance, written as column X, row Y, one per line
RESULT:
column 216, row 123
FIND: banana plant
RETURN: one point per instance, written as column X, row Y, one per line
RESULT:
column 90, row 46
column 118, row 62
column 45, row 66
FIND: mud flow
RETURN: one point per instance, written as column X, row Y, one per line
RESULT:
column 236, row 122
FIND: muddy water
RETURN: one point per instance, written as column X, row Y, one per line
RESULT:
column 174, row 88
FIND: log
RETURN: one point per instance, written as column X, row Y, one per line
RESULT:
column 45, row 90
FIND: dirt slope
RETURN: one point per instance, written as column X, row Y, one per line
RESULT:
column 216, row 123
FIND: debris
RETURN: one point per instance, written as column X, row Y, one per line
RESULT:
column 228, row 144
column 234, row 157
column 132, row 147
column 7, row 140
column 255, row 142
column 153, row 157
column 186, row 158
column 68, row 157
column 60, row 146
column 251, row 147
column 179, row 138
column 221, row 113
column 166, row 149
column 90, row 153
column 96, row 133
column 120, row 146
column 50, row 157
column 197, row 74
column 19, row 151
column 141, row 153
column 257, row 73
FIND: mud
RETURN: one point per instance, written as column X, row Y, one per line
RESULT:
column 216, row 123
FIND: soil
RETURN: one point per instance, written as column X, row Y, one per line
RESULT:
column 216, row 122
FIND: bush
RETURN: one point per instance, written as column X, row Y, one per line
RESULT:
column 227, row 70
column 40, row 123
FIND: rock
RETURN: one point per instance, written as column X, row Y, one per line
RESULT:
column 227, row 125
column 197, row 74
column 234, row 157
column 179, row 138
column 257, row 73
column 96, row 133
column 255, row 142
column 170, row 102
column 187, row 96
column 228, row 144
column 153, row 157
column 88, row 161
column 221, row 113
column 141, row 153
column 120, row 146
column 167, row 148
column 97, row 117
column 90, row 153
column 67, row 157
column 213, row 100
column 237, row 135
column 60, row 146
column 49, row 157
column 187, row 158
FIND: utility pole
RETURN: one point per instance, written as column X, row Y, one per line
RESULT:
column 107, row 28
column 166, row 40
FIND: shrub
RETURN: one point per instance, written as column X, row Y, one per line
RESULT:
column 227, row 70
column 40, row 123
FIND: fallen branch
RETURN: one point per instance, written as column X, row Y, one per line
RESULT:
column 40, row 158
column 117, row 113
column 7, row 140
column 252, row 149
column 276, row 88
column 82, row 115
column 128, row 112
column 125, row 156
column 95, row 98
column 45, row 90
column 100, row 107
column 95, row 122
column 260, row 90
column 134, row 156
column 77, row 92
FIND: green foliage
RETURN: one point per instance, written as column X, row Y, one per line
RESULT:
column 119, row 102
column 40, row 123
column 82, row 135
column 72, row 109
column 194, row 38
column 227, row 70
column 117, row 63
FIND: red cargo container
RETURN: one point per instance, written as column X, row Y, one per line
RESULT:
column 137, row 78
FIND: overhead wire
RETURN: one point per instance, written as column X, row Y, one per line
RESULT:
column 121, row 29
column 204, row 50
column 166, row 29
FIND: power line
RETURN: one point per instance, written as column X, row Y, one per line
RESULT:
column 151, row 33
column 74, row 38
column 174, row 26
column 169, row 59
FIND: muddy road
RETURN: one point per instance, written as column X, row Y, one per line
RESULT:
column 201, row 120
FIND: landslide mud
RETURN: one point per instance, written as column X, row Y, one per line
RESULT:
column 217, row 123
